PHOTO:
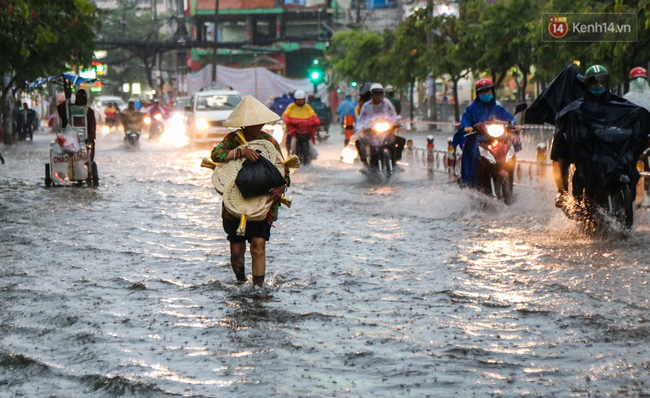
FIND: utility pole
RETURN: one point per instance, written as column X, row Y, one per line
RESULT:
column 181, row 55
column 358, row 11
column 159, row 91
column 432, row 99
column 214, row 49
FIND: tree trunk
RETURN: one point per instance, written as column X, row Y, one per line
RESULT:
column 412, row 87
column 524, row 84
column 456, row 104
column 7, row 104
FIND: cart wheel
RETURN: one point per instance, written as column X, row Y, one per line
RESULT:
column 48, row 179
column 95, row 176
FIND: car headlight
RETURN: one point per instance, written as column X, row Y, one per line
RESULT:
column 495, row 130
column 201, row 124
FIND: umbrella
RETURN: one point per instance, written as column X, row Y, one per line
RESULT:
column 71, row 78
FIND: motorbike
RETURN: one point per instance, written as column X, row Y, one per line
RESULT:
column 322, row 132
column 132, row 138
column 156, row 125
column 497, row 161
column 611, row 199
column 377, row 145
column 112, row 121
column 303, row 147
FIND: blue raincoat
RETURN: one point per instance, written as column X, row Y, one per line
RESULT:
column 477, row 112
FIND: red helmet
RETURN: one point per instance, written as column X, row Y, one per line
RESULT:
column 638, row 72
column 484, row 84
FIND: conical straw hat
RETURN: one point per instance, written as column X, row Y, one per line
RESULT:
column 250, row 112
column 224, row 174
column 255, row 208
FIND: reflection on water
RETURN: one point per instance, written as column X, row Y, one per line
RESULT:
column 409, row 288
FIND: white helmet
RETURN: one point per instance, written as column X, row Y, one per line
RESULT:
column 377, row 88
column 389, row 89
column 541, row 145
column 299, row 95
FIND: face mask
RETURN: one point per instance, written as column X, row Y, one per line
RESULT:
column 597, row 90
column 485, row 97
column 639, row 83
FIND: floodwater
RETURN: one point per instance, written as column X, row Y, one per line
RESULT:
column 411, row 288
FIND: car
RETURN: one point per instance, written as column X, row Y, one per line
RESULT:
column 209, row 108
column 101, row 102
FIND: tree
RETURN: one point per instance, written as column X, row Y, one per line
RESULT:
column 124, row 23
column 405, row 60
column 42, row 38
column 358, row 56
column 450, row 54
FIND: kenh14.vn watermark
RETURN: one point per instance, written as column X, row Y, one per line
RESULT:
column 583, row 27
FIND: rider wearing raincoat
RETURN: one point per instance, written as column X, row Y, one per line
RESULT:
column 378, row 108
column 299, row 116
column 483, row 108
column 639, row 90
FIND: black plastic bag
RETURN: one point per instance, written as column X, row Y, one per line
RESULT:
column 255, row 179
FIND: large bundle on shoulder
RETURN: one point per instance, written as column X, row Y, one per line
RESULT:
column 244, row 184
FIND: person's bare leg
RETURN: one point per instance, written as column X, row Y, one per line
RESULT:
column 237, row 251
column 258, row 255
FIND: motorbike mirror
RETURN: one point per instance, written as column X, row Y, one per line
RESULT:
column 521, row 107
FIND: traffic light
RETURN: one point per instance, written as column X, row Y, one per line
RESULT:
column 316, row 73
column 316, row 76
column 353, row 84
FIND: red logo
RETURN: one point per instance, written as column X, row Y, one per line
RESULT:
column 558, row 27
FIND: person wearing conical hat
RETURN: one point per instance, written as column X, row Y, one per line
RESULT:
column 248, row 117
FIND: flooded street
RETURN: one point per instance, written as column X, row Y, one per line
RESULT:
column 410, row 288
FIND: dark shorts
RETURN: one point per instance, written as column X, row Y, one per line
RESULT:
column 254, row 229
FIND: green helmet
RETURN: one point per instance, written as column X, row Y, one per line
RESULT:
column 595, row 70
column 597, row 75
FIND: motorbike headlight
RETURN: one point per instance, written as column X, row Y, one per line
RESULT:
column 158, row 116
column 106, row 129
column 147, row 120
column 381, row 127
column 201, row 124
column 495, row 130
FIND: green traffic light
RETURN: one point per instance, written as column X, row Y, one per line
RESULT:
column 315, row 75
column 353, row 84
column 315, row 62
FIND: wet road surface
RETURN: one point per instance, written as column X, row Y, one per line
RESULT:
column 409, row 288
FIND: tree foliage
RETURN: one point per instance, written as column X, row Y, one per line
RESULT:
column 494, row 38
column 41, row 38
column 357, row 56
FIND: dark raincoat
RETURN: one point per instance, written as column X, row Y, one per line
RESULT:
column 602, row 135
